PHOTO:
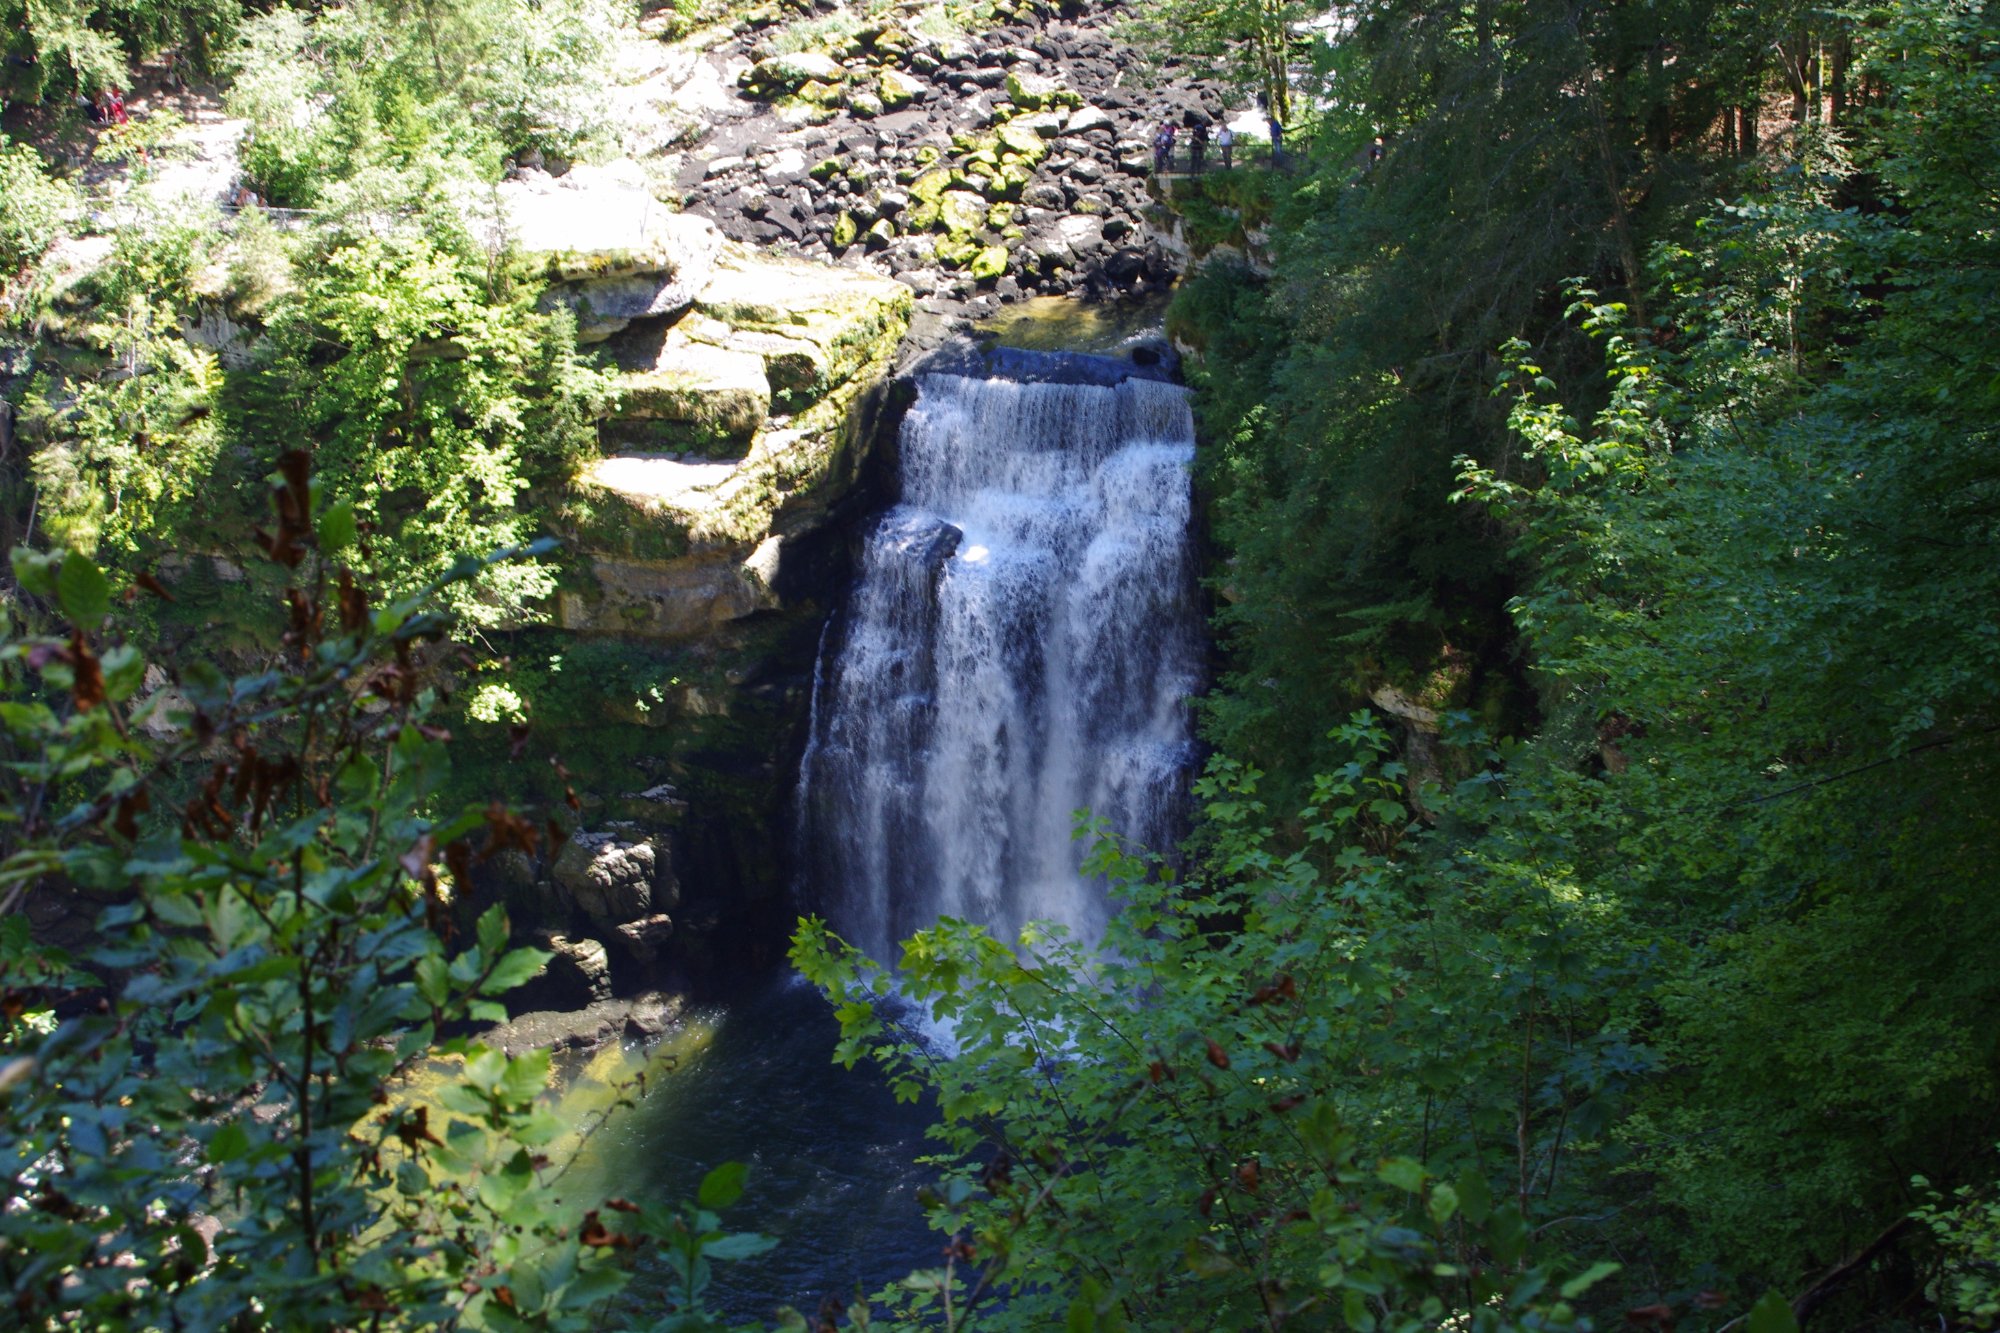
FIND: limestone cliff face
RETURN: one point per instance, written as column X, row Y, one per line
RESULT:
column 699, row 549
column 742, row 413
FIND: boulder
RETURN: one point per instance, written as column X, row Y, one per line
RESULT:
column 898, row 89
column 646, row 938
column 651, row 1015
column 608, row 305
column 599, row 222
column 1080, row 233
column 962, row 212
column 1087, row 118
column 1022, row 141
column 609, row 878
column 990, row 262
column 1031, row 92
column 682, row 599
column 578, row 974
column 774, row 76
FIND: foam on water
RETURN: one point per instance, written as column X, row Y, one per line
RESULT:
column 1021, row 643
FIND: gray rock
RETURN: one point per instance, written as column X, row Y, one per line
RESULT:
column 789, row 73
column 1045, row 194
column 580, row 971
column 1086, row 118
column 1080, row 233
column 608, row 878
column 682, row 262
column 645, row 938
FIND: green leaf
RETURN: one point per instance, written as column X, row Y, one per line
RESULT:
column 492, row 930
column 34, row 571
column 1402, row 1172
column 337, row 528
column 82, row 590
column 1588, row 1278
column 722, row 1186
column 513, row 970
column 741, row 1245
column 230, row 1142
column 433, row 980
column 124, row 669
column 1772, row 1314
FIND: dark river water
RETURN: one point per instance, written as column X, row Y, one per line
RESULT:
column 832, row 1156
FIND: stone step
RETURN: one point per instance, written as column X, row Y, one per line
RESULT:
column 690, row 395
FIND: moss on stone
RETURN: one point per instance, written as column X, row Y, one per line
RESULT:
column 989, row 263
column 962, row 213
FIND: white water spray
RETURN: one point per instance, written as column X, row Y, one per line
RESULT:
column 1021, row 643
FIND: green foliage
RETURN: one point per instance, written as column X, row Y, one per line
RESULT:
column 1346, row 1085
column 372, row 103
column 434, row 398
column 1968, row 1231
column 35, row 208
column 204, row 1116
column 1741, row 513
column 62, row 48
column 1760, row 581
column 127, row 433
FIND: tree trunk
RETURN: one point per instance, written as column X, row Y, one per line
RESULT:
column 1843, row 55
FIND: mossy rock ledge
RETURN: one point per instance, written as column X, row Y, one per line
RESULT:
column 743, row 391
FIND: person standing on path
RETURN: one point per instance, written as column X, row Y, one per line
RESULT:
column 1198, row 147
column 1225, row 139
column 1163, row 148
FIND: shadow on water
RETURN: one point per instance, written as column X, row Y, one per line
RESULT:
column 832, row 1157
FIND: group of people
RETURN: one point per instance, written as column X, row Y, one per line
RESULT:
column 1198, row 141
column 107, row 108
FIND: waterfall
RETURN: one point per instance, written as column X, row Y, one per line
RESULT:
column 1020, row 643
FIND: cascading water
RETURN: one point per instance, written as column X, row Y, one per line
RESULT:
column 1021, row 643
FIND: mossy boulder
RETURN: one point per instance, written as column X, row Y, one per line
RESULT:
column 776, row 76
column 897, row 89
column 989, row 263
column 1032, row 92
column 1009, row 182
column 825, row 96
column 1022, row 141
column 844, row 230
column 854, row 318
column 962, row 212
column 955, row 251
column 695, row 395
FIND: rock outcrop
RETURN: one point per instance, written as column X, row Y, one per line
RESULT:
column 741, row 400
column 612, row 880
